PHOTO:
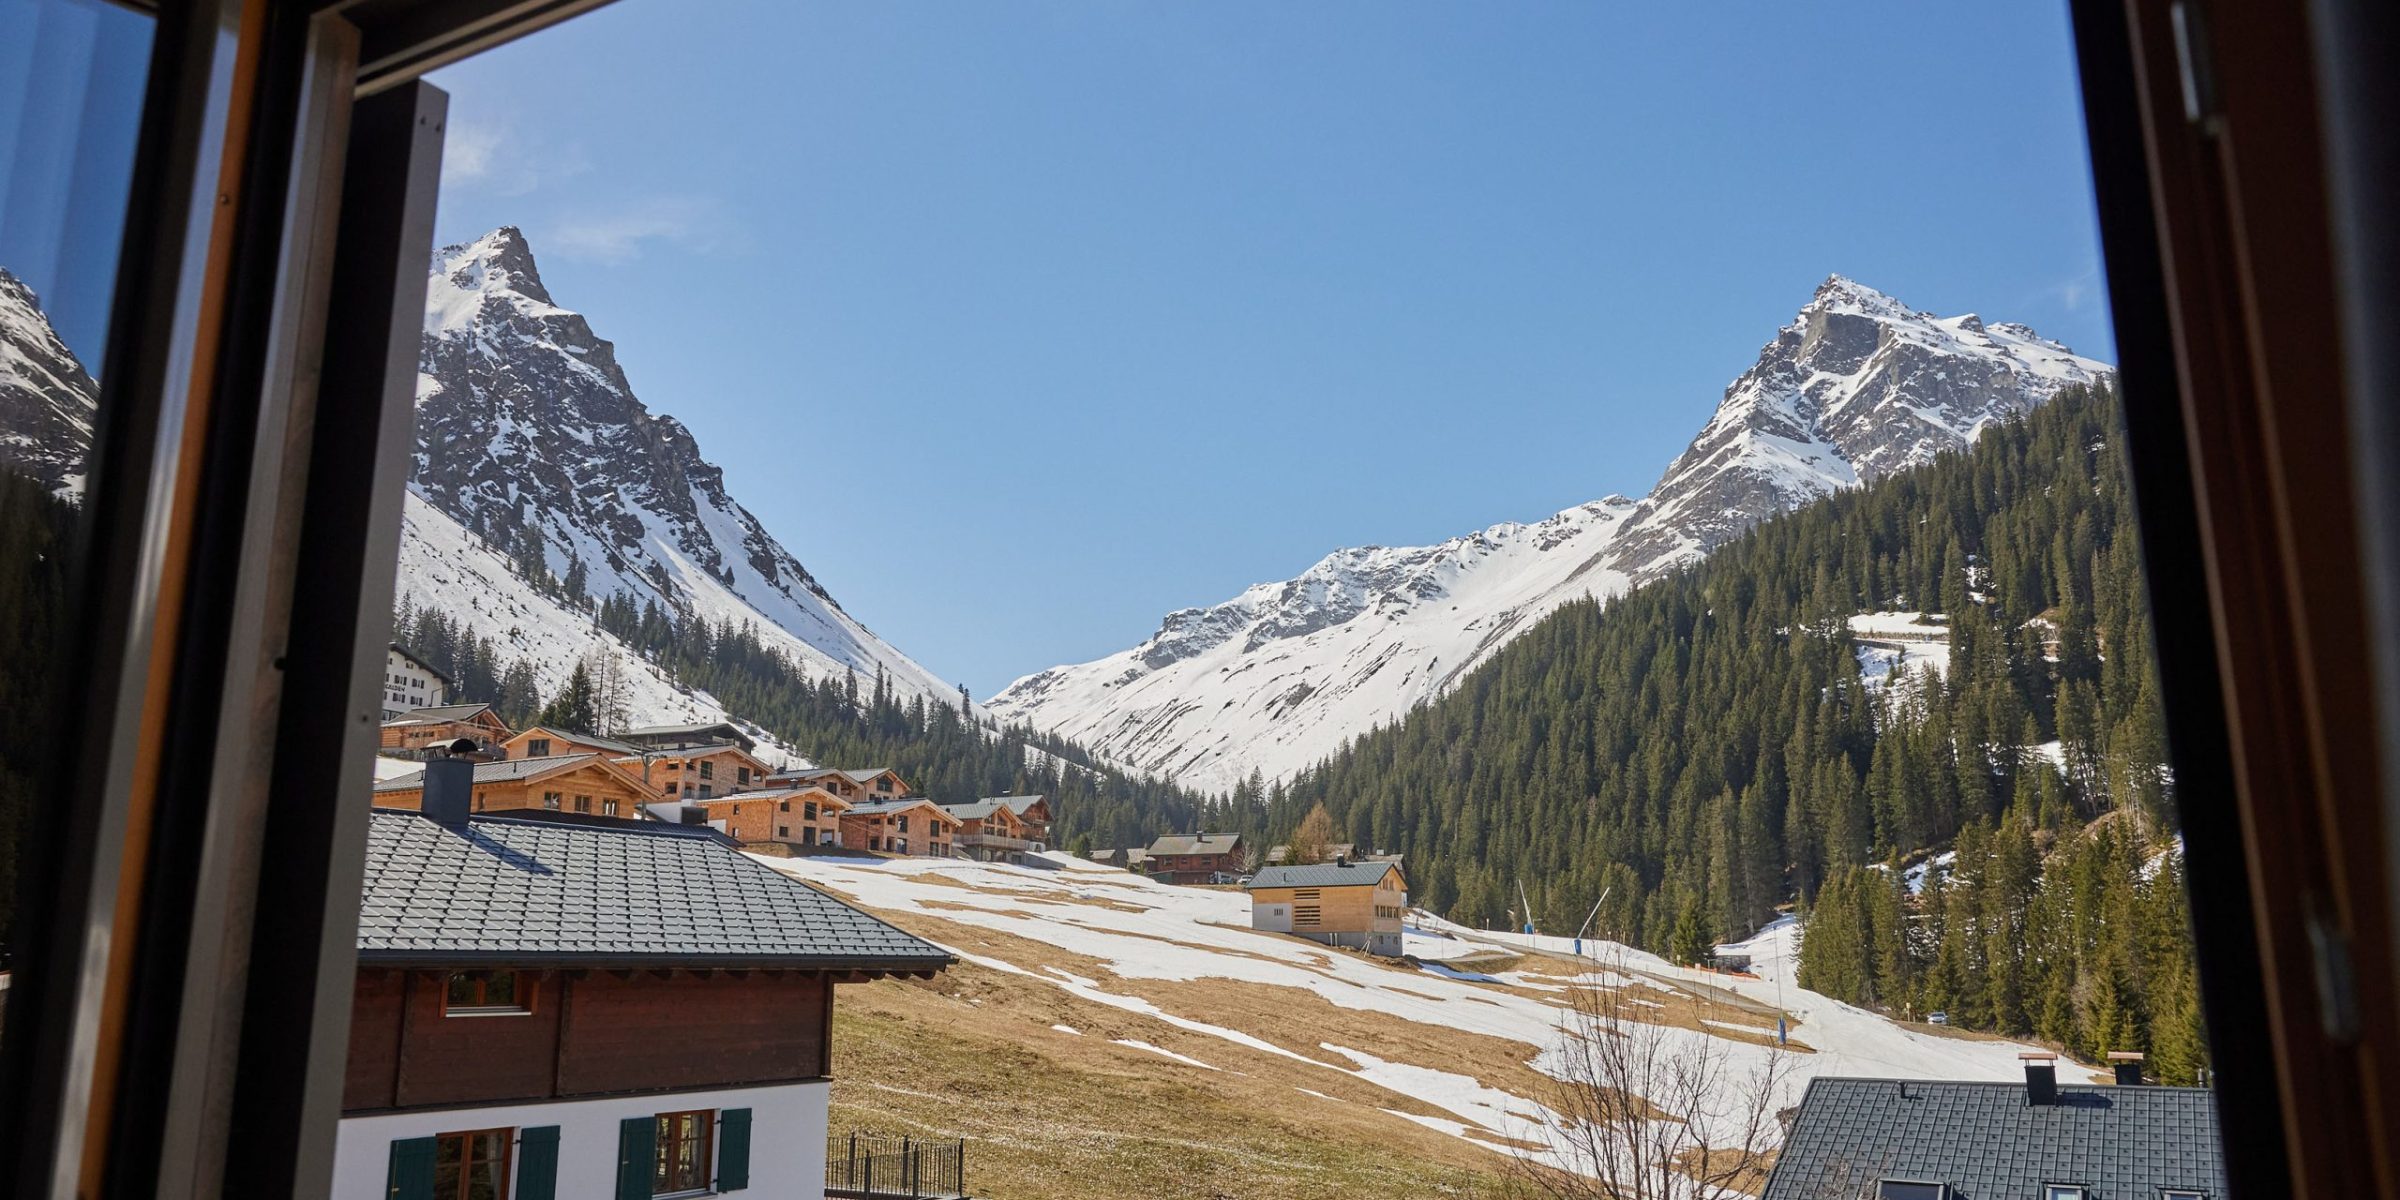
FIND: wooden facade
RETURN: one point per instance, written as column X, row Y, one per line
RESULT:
column 587, row 1033
column 589, row 785
column 1364, row 916
column 809, row 816
column 1197, row 858
column 412, row 731
column 854, row 786
column 915, row 826
column 699, row 772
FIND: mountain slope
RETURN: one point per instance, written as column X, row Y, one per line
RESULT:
column 47, row 399
column 1855, row 387
column 530, row 437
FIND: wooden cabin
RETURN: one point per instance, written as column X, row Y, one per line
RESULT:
column 547, row 741
column 914, row 825
column 698, row 772
column 674, row 737
column 425, row 728
column 587, row 784
column 808, row 817
column 1340, row 903
column 990, row 830
column 854, row 785
column 1198, row 858
column 592, row 1011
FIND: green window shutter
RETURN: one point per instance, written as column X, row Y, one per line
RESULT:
column 411, row 1176
column 637, row 1157
column 537, row 1163
column 733, row 1150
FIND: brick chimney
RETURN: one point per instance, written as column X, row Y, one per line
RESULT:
column 2128, row 1064
column 449, row 790
column 2041, row 1077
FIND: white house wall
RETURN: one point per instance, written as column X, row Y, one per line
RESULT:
column 787, row 1138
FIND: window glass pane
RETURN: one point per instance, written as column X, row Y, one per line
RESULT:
column 71, row 80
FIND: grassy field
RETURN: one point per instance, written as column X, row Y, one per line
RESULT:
column 1056, row 1116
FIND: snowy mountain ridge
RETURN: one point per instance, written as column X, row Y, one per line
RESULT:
column 1857, row 386
column 529, row 437
column 48, row 401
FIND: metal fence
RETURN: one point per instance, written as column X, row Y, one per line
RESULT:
column 866, row 1167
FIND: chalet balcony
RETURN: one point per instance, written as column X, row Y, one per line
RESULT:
column 862, row 1167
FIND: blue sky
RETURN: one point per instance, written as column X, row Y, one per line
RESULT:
column 1113, row 309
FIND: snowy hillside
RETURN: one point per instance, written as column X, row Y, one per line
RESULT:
column 1177, row 982
column 47, row 399
column 444, row 567
column 530, row 436
column 1856, row 386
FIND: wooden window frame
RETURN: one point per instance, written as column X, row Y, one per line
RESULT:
column 506, row 1162
column 704, row 1121
column 525, row 985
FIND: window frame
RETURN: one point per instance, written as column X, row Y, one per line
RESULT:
column 507, row 1161
column 524, row 990
column 704, row 1120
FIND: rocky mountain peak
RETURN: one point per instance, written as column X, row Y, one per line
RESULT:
column 530, row 435
column 48, row 401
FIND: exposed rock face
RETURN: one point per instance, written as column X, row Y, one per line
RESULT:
column 1858, row 385
column 529, row 434
column 47, row 400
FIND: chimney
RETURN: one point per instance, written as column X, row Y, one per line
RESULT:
column 1341, row 860
column 2129, row 1067
column 449, row 790
column 2041, row 1077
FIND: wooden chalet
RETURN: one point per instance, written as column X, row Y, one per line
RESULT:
column 586, row 784
column 1340, row 903
column 674, row 737
column 804, row 818
column 545, row 741
column 1198, row 858
column 913, row 825
column 992, row 830
column 426, row 728
column 591, row 1010
column 854, row 785
column 698, row 772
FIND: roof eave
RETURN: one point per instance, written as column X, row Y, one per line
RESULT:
column 922, row 967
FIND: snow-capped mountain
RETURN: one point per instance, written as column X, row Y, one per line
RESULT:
column 1857, row 386
column 529, row 435
column 47, row 399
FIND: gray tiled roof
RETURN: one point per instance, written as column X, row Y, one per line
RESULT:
column 1987, row 1143
column 1322, row 875
column 446, row 712
column 505, row 890
column 504, row 771
column 976, row 810
column 1206, row 843
column 583, row 739
column 879, row 807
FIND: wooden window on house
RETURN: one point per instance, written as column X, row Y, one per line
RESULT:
column 608, row 808
column 783, row 806
column 808, row 810
column 708, row 770
column 537, row 747
column 783, row 831
column 551, row 800
column 741, row 774
column 883, row 785
column 472, row 1166
column 487, row 994
column 904, row 822
column 583, row 804
column 707, row 790
column 683, row 1152
column 670, row 789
